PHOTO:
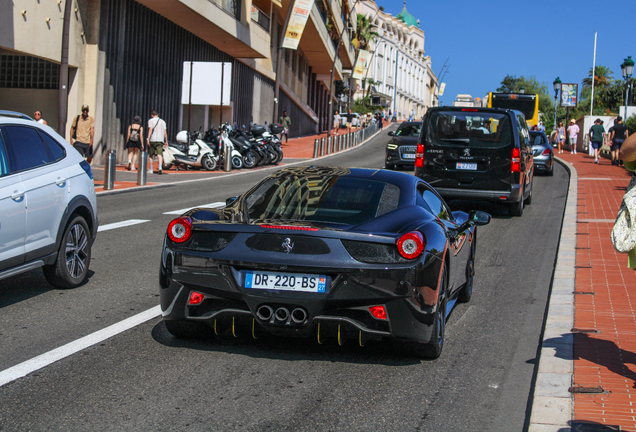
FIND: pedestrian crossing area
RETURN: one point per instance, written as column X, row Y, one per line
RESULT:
column 131, row 222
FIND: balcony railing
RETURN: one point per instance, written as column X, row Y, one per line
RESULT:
column 259, row 17
column 232, row 7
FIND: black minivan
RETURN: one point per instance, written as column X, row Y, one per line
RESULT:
column 477, row 153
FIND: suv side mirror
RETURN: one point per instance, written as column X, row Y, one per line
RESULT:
column 391, row 133
column 229, row 201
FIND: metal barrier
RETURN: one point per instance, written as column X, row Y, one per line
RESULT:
column 322, row 146
column 142, row 165
column 109, row 170
column 329, row 145
column 227, row 154
column 316, row 148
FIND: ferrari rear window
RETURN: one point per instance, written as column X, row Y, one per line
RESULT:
column 330, row 199
column 469, row 128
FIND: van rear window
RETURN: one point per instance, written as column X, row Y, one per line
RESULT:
column 469, row 129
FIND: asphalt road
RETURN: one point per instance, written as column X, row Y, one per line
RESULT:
column 144, row 379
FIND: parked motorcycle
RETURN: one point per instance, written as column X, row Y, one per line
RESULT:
column 218, row 140
column 189, row 153
column 272, row 145
column 245, row 146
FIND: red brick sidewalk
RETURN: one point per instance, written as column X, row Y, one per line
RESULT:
column 605, row 301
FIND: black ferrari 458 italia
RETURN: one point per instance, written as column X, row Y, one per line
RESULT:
column 352, row 254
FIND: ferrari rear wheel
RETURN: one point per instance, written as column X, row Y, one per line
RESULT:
column 467, row 292
column 433, row 349
column 189, row 330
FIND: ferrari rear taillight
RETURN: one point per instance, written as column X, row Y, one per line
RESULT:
column 516, row 160
column 180, row 230
column 411, row 245
column 546, row 152
column 419, row 156
column 195, row 298
column 378, row 312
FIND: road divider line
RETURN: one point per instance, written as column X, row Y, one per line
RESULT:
column 36, row 363
column 182, row 211
column 121, row 224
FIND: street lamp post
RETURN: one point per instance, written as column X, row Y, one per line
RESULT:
column 627, row 68
column 557, row 87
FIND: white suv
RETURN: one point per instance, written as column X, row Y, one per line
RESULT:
column 48, row 207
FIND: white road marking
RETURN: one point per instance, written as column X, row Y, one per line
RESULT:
column 182, row 211
column 36, row 363
column 121, row 224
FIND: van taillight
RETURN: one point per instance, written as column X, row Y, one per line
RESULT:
column 419, row 156
column 516, row 160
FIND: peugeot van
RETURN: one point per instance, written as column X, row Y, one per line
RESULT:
column 477, row 153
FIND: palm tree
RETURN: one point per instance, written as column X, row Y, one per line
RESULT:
column 602, row 77
column 364, row 34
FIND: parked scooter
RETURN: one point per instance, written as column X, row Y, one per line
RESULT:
column 218, row 140
column 248, row 148
column 270, row 142
column 193, row 153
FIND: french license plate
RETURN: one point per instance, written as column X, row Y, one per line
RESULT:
column 466, row 166
column 408, row 155
column 285, row 281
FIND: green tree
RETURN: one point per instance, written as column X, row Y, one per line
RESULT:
column 603, row 77
column 631, row 124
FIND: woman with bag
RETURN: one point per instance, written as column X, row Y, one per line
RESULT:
column 134, row 141
column 623, row 234
column 560, row 136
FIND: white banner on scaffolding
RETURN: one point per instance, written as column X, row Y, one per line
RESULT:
column 207, row 87
column 361, row 64
column 297, row 22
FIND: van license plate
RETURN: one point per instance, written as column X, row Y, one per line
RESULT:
column 466, row 166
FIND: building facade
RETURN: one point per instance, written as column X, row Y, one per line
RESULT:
column 126, row 58
column 398, row 76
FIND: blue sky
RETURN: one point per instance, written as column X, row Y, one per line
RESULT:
column 487, row 39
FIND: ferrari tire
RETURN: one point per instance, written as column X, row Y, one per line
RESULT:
column 467, row 291
column 433, row 348
column 189, row 330
column 73, row 258
column 390, row 166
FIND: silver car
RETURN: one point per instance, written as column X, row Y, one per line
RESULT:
column 542, row 152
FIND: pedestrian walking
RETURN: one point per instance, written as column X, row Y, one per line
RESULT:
column 336, row 121
column 573, row 132
column 618, row 135
column 597, row 134
column 38, row 117
column 82, row 133
column 134, row 142
column 627, row 153
column 157, row 139
column 286, row 122
column 349, row 120
column 380, row 121
column 560, row 137
column 412, row 116
column 541, row 126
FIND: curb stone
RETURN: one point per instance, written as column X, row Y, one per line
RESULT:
column 553, row 404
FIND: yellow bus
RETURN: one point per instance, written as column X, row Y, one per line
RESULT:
column 528, row 104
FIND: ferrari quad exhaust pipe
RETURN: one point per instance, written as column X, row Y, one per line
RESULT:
column 265, row 313
column 298, row 315
column 281, row 314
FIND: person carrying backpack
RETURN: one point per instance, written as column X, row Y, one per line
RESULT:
column 134, row 141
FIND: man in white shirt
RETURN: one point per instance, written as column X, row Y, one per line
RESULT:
column 157, row 140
